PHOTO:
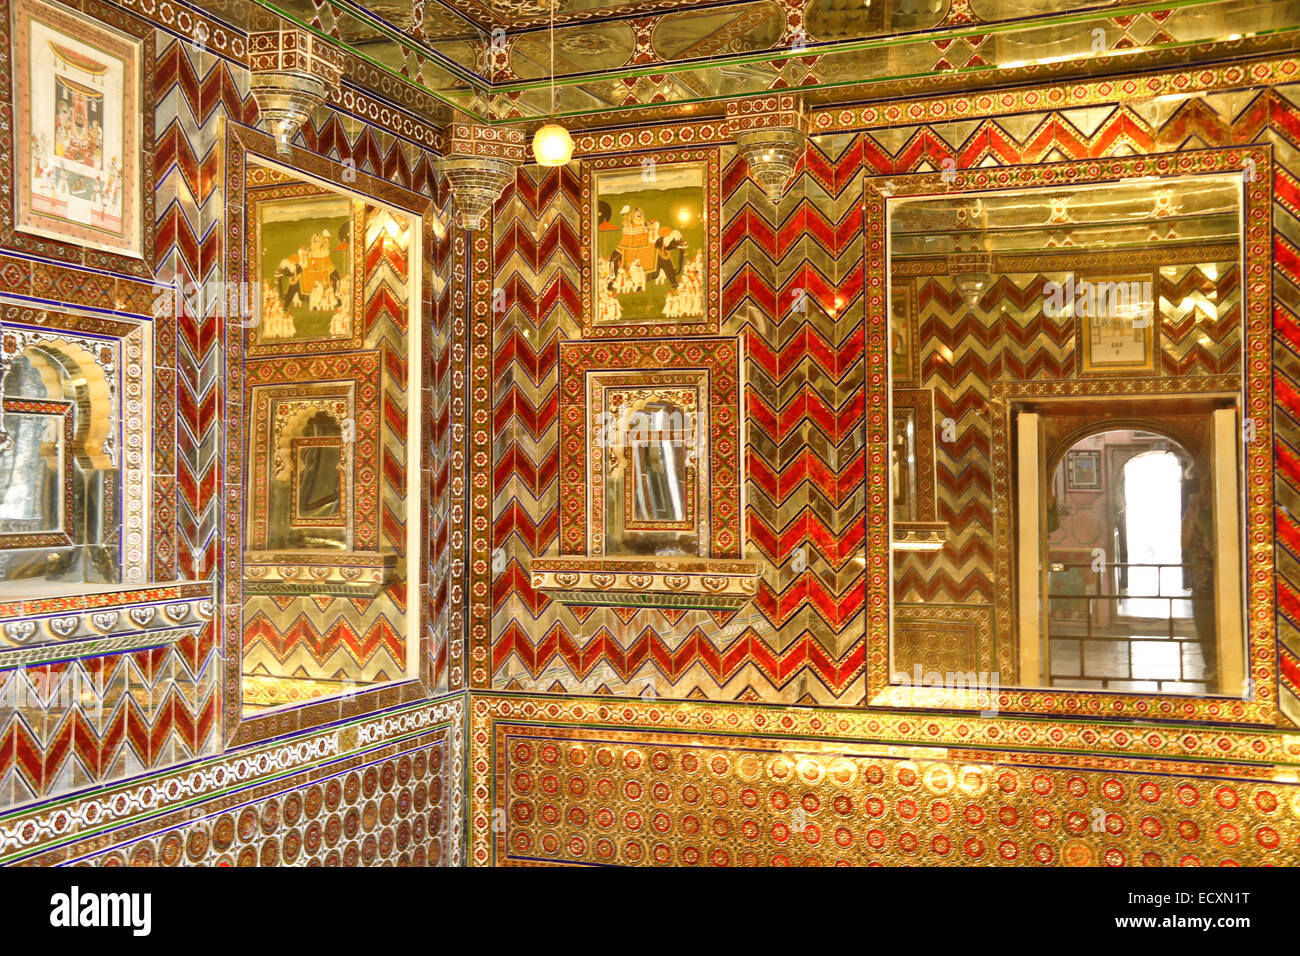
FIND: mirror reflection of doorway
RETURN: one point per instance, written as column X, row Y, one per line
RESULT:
column 1130, row 569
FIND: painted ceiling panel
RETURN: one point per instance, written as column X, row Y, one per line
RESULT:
column 589, row 48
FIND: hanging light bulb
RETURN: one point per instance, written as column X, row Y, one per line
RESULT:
column 552, row 144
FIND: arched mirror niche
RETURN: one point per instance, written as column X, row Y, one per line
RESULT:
column 65, row 503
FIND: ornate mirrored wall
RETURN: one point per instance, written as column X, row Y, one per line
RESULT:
column 72, row 458
column 331, row 358
column 1074, row 424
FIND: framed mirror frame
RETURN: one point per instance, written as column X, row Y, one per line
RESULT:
column 241, row 147
column 1258, row 706
column 111, row 355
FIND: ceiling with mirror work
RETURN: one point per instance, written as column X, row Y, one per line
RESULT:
column 620, row 63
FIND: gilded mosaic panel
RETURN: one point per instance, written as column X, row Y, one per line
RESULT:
column 652, row 786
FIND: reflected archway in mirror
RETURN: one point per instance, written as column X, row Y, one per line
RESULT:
column 1129, row 545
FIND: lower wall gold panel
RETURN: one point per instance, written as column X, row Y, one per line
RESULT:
column 594, row 782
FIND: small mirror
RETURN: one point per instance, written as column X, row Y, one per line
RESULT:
column 318, row 487
column 651, row 465
column 658, row 447
column 902, row 464
column 652, row 471
column 308, row 491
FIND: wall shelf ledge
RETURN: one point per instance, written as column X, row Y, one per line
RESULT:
column 336, row 573
column 93, row 623
column 669, row 582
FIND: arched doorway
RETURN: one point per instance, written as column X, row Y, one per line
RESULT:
column 1129, row 542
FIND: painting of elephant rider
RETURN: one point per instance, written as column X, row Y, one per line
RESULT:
column 305, row 257
column 650, row 230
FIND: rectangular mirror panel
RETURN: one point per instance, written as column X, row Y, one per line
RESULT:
column 1066, row 471
column 331, row 367
column 61, row 445
column 652, row 462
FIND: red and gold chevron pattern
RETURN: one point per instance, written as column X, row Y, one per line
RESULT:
column 797, row 261
column 805, row 399
column 105, row 718
column 442, row 458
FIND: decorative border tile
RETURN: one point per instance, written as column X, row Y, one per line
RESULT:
column 81, row 823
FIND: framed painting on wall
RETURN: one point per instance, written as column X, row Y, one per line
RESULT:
column 1117, row 324
column 77, row 98
column 1083, row 471
column 651, row 228
column 305, row 259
